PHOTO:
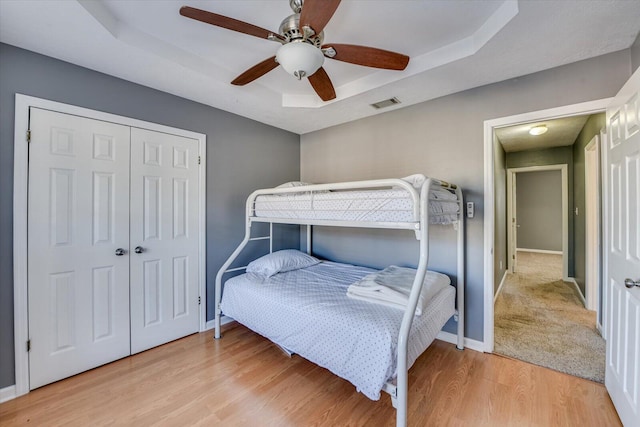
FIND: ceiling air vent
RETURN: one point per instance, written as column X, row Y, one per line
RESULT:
column 386, row 103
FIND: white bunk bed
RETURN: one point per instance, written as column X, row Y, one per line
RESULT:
column 406, row 204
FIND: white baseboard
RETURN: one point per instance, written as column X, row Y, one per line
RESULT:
column 599, row 328
column 574, row 283
column 504, row 278
column 7, row 393
column 468, row 342
column 212, row 323
column 539, row 251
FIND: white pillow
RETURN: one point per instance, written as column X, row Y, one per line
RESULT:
column 293, row 184
column 442, row 194
column 280, row 262
column 416, row 180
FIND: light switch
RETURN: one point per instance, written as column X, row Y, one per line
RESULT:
column 470, row 210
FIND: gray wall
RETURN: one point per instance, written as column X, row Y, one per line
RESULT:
column 500, row 250
column 539, row 210
column 591, row 128
column 242, row 155
column 635, row 54
column 443, row 138
column 551, row 156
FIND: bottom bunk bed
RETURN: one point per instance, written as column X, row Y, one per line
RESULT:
column 323, row 310
column 307, row 312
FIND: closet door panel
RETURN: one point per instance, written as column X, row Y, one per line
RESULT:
column 164, row 225
column 78, row 217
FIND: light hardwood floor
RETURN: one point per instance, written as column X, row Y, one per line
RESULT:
column 244, row 380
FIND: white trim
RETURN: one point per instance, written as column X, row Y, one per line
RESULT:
column 223, row 321
column 590, row 107
column 600, row 329
column 8, row 393
column 512, row 223
column 539, row 251
column 202, row 241
column 563, row 168
column 592, row 223
column 20, row 253
column 572, row 280
column 504, row 279
column 488, row 231
column 20, row 188
column 468, row 342
column 604, row 194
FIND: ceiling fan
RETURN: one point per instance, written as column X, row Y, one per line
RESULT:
column 302, row 51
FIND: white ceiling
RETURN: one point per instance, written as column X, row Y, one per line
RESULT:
column 454, row 45
column 560, row 132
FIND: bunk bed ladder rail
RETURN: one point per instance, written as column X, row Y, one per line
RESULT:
column 399, row 391
column 225, row 267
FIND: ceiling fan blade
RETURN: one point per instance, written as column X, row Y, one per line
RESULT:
column 322, row 84
column 316, row 13
column 255, row 72
column 226, row 22
column 369, row 56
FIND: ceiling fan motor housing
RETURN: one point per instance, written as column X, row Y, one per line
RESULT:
column 291, row 31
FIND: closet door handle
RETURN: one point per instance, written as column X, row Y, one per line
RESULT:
column 630, row 283
column 120, row 252
column 138, row 249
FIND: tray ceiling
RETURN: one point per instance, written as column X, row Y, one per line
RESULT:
column 453, row 45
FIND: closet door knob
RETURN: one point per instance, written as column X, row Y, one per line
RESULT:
column 630, row 283
column 120, row 252
column 138, row 249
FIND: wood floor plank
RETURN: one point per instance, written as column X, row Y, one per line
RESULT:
column 243, row 379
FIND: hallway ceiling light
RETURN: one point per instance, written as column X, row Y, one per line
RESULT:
column 538, row 130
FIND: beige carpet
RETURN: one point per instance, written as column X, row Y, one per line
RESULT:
column 541, row 320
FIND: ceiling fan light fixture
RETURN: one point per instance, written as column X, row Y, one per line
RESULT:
column 538, row 130
column 300, row 59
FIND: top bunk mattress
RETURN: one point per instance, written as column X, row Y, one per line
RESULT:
column 389, row 205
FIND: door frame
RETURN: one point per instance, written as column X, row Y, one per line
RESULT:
column 592, row 224
column 590, row 107
column 20, row 209
column 511, row 204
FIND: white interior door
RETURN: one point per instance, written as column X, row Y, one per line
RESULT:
column 512, row 226
column 165, row 228
column 78, row 217
column 514, row 222
column 623, row 252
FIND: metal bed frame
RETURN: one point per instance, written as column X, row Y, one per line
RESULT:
column 397, row 389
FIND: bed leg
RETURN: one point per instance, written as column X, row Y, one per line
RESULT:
column 394, row 402
column 216, row 324
column 401, row 400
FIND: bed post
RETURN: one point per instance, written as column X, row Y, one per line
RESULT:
column 460, row 279
column 234, row 255
column 402, row 386
column 309, row 244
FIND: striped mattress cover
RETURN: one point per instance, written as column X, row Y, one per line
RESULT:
column 390, row 205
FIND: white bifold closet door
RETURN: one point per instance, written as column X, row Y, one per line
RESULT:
column 164, row 228
column 97, row 191
column 78, row 217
